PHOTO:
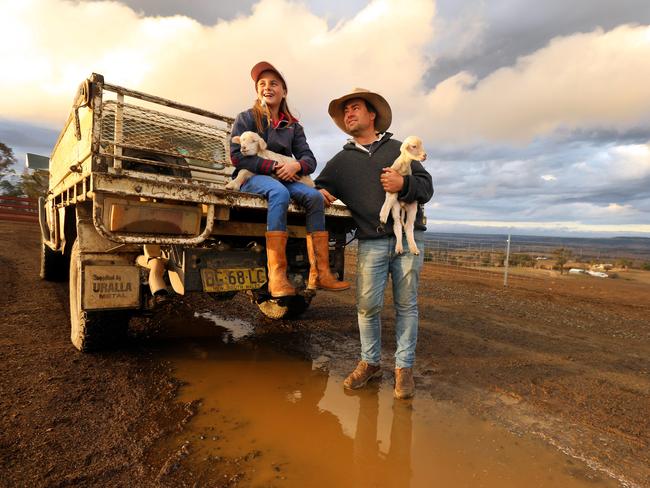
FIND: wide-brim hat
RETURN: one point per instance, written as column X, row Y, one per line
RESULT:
column 263, row 66
column 384, row 114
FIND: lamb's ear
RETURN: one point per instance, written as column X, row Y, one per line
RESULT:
column 262, row 144
column 404, row 146
column 236, row 140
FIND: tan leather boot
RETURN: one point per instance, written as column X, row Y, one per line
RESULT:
column 320, row 275
column 404, row 383
column 276, row 257
column 363, row 373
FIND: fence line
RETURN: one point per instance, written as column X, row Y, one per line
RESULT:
column 19, row 209
column 519, row 260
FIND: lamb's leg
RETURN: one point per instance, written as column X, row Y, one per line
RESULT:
column 397, row 227
column 389, row 202
column 411, row 213
column 243, row 176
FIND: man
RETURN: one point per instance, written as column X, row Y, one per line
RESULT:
column 359, row 176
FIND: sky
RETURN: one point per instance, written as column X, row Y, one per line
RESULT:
column 535, row 115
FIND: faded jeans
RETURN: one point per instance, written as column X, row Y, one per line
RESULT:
column 376, row 259
column 279, row 194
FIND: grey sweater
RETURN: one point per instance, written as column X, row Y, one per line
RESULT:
column 353, row 175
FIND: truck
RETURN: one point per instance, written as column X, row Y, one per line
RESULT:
column 131, row 169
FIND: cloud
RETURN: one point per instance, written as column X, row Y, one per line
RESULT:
column 509, row 29
column 48, row 47
column 593, row 80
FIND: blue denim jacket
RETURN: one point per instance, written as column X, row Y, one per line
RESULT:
column 283, row 138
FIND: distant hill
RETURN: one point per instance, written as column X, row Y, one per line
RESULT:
column 586, row 247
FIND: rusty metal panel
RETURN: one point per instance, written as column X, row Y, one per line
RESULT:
column 109, row 287
column 136, row 216
column 252, row 229
column 153, row 186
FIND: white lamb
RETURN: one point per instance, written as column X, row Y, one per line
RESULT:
column 252, row 144
column 411, row 149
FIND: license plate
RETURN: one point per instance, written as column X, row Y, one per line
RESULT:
column 232, row 279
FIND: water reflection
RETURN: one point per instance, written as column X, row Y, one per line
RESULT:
column 296, row 426
column 372, row 467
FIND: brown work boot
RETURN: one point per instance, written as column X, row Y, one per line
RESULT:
column 404, row 384
column 320, row 275
column 363, row 373
column 276, row 258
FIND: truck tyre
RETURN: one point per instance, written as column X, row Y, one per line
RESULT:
column 54, row 264
column 284, row 308
column 92, row 330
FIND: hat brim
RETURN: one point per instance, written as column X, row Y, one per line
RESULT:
column 263, row 66
column 384, row 115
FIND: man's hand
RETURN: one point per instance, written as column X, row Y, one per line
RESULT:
column 329, row 198
column 288, row 171
column 391, row 180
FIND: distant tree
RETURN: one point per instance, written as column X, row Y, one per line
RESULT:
column 34, row 184
column 7, row 160
column 562, row 255
column 31, row 184
column 521, row 259
column 624, row 263
column 646, row 266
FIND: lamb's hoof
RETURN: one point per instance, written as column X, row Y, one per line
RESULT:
column 383, row 219
column 399, row 250
column 415, row 251
column 231, row 186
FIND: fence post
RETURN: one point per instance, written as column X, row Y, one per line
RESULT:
column 506, row 262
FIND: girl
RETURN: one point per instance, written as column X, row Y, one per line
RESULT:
column 271, row 118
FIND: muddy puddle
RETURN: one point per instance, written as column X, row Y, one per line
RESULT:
column 288, row 422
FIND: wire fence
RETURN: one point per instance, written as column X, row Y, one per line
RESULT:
column 514, row 260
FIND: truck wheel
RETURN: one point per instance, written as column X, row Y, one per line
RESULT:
column 54, row 265
column 284, row 308
column 96, row 330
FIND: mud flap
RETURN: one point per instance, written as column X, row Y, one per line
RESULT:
column 110, row 287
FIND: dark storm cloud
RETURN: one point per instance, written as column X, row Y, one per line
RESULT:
column 512, row 28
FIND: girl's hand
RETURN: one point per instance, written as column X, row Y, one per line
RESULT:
column 288, row 171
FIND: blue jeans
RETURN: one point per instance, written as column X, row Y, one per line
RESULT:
column 280, row 193
column 376, row 259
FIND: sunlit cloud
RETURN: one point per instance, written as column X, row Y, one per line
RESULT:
column 590, row 80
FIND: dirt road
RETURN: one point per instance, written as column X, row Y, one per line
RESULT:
column 566, row 360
